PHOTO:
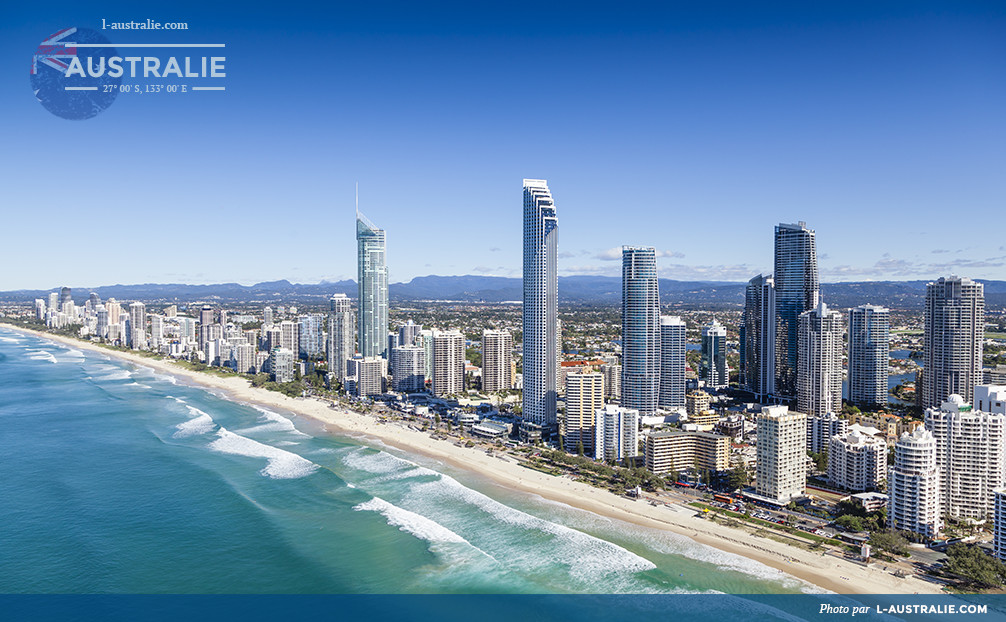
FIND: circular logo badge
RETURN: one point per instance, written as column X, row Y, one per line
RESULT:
column 70, row 73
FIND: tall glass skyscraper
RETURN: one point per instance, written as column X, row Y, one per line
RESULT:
column 672, row 362
column 713, row 368
column 541, row 304
column 796, row 291
column 819, row 380
column 953, row 340
column 373, row 287
column 341, row 342
column 758, row 337
column 640, row 330
column 869, row 350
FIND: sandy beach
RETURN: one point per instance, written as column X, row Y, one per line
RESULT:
column 825, row 571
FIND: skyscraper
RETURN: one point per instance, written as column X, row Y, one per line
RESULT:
column 137, row 326
column 970, row 454
column 584, row 395
column 781, row 453
column 796, row 291
column 640, row 330
column 714, row 356
column 758, row 337
column 913, row 485
column 64, row 296
column 616, row 433
column 341, row 338
column 310, row 339
column 448, row 363
column 819, row 375
column 541, row 304
column 373, row 287
column 407, row 333
column 672, row 362
column 409, row 365
column 497, row 353
column 869, row 349
column 952, row 344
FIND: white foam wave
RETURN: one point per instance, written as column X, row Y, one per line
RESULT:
column 10, row 340
column 43, row 356
column 410, row 522
column 201, row 423
column 281, row 464
column 274, row 422
column 384, row 464
column 588, row 558
column 122, row 374
column 165, row 378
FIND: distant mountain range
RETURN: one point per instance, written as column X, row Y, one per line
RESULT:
column 492, row 289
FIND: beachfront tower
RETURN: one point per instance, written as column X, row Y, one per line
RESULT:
column 869, row 349
column 372, row 284
column 640, row 330
column 953, row 339
column 796, row 291
column 541, row 304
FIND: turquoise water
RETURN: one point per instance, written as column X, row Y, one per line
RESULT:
column 117, row 479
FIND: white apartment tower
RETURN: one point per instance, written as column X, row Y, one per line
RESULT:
column 970, row 456
column 616, row 434
column 819, row 365
column 781, row 453
column 713, row 368
column 408, row 364
column 497, row 356
column 137, row 326
column 541, row 304
column 913, row 485
column 672, row 362
column 857, row 461
column 448, row 363
column 869, row 349
column 341, row 336
column 953, row 339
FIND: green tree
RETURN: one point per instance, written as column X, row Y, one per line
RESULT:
column 890, row 541
column 579, row 448
column 738, row 477
column 969, row 562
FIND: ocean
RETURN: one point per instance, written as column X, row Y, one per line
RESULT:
column 115, row 479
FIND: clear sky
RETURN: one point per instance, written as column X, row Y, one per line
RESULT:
column 693, row 127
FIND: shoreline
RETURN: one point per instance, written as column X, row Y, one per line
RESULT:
column 823, row 571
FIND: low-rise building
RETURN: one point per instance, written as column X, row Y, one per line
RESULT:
column 677, row 450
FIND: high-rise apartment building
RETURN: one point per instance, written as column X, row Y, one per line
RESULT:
column 372, row 283
column 310, row 336
column 341, row 336
column 678, row 450
column 796, row 291
column 713, row 367
column 541, row 304
column 640, row 330
column 370, row 375
column 408, row 368
column 781, row 453
column 673, row 343
column 819, row 375
column 616, row 433
column 913, row 485
column 970, row 455
column 584, row 396
column 448, row 363
column 953, row 339
column 869, row 350
column 497, row 356
column 820, row 429
column 289, row 336
column 281, row 364
column 857, row 461
column 407, row 333
column 137, row 325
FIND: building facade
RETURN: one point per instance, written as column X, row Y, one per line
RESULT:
column 408, row 365
column 677, row 450
column 448, row 363
column 820, row 429
column 541, row 304
column 341, row 344
column 640, row 330
column 796, row 291
column 713, row 366
column 869, row 350
column 857, row 461
column 584, row 397
column 953, row 339
column 781, row 454
column 819, row 366
column 497, row 356
column 372, row 285
column 673, row 344
column 616, row 434
column 913, row 486
column 970, row 456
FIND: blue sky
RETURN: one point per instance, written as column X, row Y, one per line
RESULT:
column 690, row 128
